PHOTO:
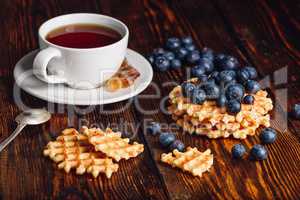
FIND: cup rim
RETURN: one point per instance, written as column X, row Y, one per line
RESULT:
column 84, row 49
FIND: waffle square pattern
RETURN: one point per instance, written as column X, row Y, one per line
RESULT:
column 72, row 150
column 192, row 160
column 112, row 144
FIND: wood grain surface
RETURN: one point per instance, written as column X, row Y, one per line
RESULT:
column 264, row 34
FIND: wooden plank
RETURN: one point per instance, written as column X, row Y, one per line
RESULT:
column 276, row 177
column 25, row 173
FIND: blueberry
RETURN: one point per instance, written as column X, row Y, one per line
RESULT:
column 226, row 76
column 181, row 53
column 234, row 91
column 165, row 139
column 202, row 78
column 193, row 57
column 258, row 152
column 252, row 86
column 229, row 62
column 162, row 63
column 243, row 75
column 197, row 71
column 187, row 89
column 268, row 136
column 158, row 52
column 153, row 128
column 207, row 64
column 187, row 40
column 212, row 90
column 233, row 82
column 173, row 43
column 198, row 96
column 175, row 64
column 207, row 53
column 233, row 106
column 248, row 99
column 238, row 151
column 151, row 59
column 169, row 55
column 190, row 47
column 251, row 71
column 296, row 111
column 177, row 144
column 221, row 101
column 219, row 58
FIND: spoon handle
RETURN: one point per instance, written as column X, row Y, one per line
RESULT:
column 12, row 136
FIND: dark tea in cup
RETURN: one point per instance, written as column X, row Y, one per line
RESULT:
column 83, row 36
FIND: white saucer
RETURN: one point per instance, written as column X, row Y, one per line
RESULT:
column 61, row 93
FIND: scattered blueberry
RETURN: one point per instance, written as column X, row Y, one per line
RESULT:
column 162, row 63
column 190, row 47
column 158, row 52
column 175, row 64
column 229, row 62
column 198, row 96
column 212, row 90
column 233, row 106
column 296, row 111
column 151, row 59
column 197, row 71
column 258, row 152
column 181, row 53
column 268, row 136
column 238, row 151
column 193, row 57
column 153, row 128
column 221, row 101
column 166, row 139
column 234, row 91
column 187, row 40
column 173, row 43
column 226, row 76
column 243, row 75
column 207, row 64
column 187, row 89
column 248, row 99
column 169, row 55
column 252, row 86
column 251, row 71
column 177, row 144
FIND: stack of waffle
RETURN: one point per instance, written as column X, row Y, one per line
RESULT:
column 214, row 122
column 91, row 150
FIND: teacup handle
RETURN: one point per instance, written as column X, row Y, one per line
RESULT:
column 40, row 65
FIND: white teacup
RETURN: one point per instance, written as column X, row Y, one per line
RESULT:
column 79, row 68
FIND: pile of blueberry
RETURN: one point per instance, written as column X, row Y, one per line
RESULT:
column 166, row 139
column 258, row 152
column 225, row 82
column 176, row 53
column 221, row 77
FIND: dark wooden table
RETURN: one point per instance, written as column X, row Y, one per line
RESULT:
column 264, row 34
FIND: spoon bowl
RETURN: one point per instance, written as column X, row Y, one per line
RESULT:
column 33, row 117
column 28, row 117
